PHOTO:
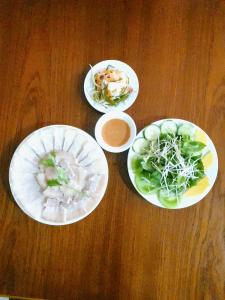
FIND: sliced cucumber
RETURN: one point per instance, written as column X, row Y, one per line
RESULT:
column 167, row 199
column 152, row 132
column 186, row 130
column 140, row 145
column 169, row 127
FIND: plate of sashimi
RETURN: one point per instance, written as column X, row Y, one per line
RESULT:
column 58, row 175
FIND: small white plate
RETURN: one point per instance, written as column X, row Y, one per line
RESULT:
column 115, row 115
column 89, row 87
column 24, row 165
column 211, row 173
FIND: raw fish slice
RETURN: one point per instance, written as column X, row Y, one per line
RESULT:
column 76, row 198
column 90, row 158
column 53, row 192
column 59, row 135
column 67, row 166
column 24, row 197
column 21, row 177
column 89, row 204
column 36, row 145
column 47, row 140
column 34, row 207
column 96, row 167
column 66, row 202
column 21, row 165
column 93, row 183
column 28, row 154
column 54, row 214
column 67, row 191
column 69, row 137
column 79, row 175
column 41, row 180
column 52, row 202
column 50, row 173
column 76, row 211
column 64, row 156
column 27, row 187
column 86, row 149
column 24, row 180
column 77, row 145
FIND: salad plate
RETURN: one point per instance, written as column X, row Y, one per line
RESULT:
column 172, row 163
column 111, row 85
column 58, row 174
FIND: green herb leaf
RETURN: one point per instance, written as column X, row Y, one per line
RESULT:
column 136, row 164
column 190, row 147
column 49, row 161
column 53, row 182
column 62, row 175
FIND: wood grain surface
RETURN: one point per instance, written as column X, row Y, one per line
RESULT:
column 127, row 248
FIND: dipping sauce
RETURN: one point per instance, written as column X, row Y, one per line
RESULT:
column 116, row 132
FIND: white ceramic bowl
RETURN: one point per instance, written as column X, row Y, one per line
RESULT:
column 115, row 115
column 24, row 165
column 89, row 87
column 211, row 173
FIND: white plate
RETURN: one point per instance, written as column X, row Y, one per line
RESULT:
column 24, row 166
column 115, row 115
column 211, row 172
column 89, row 87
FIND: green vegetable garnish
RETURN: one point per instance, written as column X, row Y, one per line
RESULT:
column 49, row 161
column 169, row 165
column 53, row 182
column 62, row 176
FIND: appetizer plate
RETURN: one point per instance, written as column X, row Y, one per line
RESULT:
column 89, row 87
column 211, row 171
column 115, row 115
column 24, row 166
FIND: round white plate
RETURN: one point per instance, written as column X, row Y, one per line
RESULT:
column 115, row 115
column 89, row 87
column 24, row 165
column 211, row 172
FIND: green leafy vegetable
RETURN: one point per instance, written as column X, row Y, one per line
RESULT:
column 192, row 147
column 169, row 166
column 49, row 161
column 62, row 176
column 53, row 182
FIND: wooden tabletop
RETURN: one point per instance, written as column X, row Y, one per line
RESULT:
column 127, row 248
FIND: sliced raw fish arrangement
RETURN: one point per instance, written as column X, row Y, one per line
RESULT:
column 58, row 174
column 64, row 183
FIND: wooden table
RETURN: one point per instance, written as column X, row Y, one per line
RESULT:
column 127, row 248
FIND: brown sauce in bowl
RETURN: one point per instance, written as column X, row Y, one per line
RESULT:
column 116, row 132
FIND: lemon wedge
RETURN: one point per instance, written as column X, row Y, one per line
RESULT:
column 199, row 188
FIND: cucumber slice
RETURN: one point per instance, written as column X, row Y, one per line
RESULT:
column 152, row 132
column 186, row 130
column 167, row 199
column 139, row 145
column 142, row 185
column 169, row 127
